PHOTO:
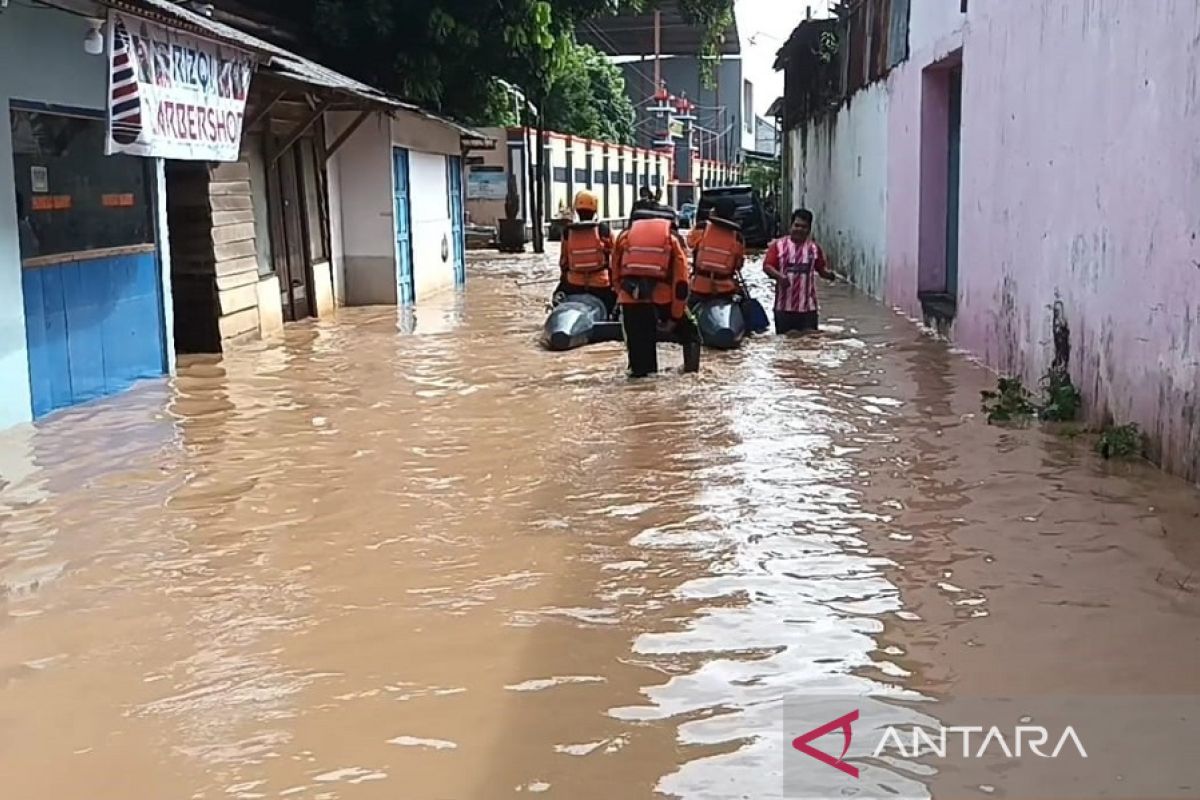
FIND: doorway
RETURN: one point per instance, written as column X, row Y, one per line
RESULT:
column 289, row 248
column 940, row 183
column 406, row 291
column 954, row 149
column 197, row 312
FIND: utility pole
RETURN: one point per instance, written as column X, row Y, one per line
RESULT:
column 657, row 49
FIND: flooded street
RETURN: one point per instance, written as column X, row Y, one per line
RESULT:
column 447, row 565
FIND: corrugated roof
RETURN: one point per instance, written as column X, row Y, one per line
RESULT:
column 278, row 60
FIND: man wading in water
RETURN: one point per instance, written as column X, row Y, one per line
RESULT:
column 794, row 262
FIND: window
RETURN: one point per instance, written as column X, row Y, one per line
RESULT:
column 581, row 176
column 252, row 155
column 629, row 179
column 614, row 178
column 560, row 174
column 314, row 201
column 71, row 197
column 599, row 176
column 748, row 106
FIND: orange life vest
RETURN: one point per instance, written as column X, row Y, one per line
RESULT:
column 587, row 260
column 719, row 249
column 648, row 250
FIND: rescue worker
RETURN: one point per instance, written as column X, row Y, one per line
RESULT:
column 720, row 253
column 645, row 201
column 650, row 272
column 586, row 252
column 697, row 231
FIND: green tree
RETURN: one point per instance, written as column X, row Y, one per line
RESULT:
column 444, row 53
column 587, row 98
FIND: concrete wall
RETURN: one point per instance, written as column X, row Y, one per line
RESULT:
column 361, row 205
column 842, row 178
column 1079, row 168
column 44, row 61
column 365, row 242
column 1082, row 123
column 488, row 212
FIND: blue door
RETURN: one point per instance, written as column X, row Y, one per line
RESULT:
column 93, row 327
column 457, row 232
column 952, row 189
column 406, row 292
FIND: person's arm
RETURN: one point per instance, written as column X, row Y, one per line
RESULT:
column 771, row 262
column 606, row 242
column 740, row 263
column 694, row 236
column 679, row 279
column 822, row 266
column 614, row 263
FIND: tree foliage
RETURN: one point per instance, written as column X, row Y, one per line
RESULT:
column 587, row 98
column 445, row 53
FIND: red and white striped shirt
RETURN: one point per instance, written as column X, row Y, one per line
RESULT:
column 800, row 265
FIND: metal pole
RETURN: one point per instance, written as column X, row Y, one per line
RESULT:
column 657, row 49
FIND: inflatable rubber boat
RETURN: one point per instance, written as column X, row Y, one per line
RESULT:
column 721, row 322
column 578, row 320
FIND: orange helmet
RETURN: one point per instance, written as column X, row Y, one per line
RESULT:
column 586, row 201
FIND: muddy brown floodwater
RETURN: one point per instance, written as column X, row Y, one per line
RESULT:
column 436, row 563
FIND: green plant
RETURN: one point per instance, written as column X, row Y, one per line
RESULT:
column 1121, row 441
column 1061, row 401
column 1011, row 402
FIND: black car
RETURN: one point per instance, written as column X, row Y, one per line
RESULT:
column 750, row 213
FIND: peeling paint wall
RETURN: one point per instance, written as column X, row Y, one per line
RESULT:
column 841, row 165
column 1080, row 168
column 1081, row 162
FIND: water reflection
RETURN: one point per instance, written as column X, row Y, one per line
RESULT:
column 355, row 563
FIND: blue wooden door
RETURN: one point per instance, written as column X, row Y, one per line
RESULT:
column 406, row 293
column 93, row 327
column 457, row 227
column 952, row 188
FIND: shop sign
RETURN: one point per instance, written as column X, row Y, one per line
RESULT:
column 173, row 95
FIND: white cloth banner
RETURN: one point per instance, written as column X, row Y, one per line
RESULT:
column 173, row 95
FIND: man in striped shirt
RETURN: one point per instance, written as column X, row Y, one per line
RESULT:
column 794, row 262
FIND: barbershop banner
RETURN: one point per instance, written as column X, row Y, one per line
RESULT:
column 172, row 95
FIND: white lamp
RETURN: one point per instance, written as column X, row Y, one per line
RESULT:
column 93, row 42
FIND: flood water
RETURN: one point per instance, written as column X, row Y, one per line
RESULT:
column 437, row 563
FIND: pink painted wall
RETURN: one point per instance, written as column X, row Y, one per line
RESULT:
column 1081, row 180
column 1080, row 183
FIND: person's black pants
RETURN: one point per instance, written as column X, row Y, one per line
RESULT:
column 800, row 321
column 641, row 322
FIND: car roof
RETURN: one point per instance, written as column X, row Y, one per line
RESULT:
column 720, row 190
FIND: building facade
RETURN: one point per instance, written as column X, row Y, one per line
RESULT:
column 1009, row 171
column 84, row 262
column 616, row 174
column 724, row 109
column 114, row 263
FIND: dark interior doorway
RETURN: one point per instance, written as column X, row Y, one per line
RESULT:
column 193, row 267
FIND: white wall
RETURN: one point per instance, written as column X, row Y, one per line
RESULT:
column 841, row 174
column 930, row 24
column 360, row 188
